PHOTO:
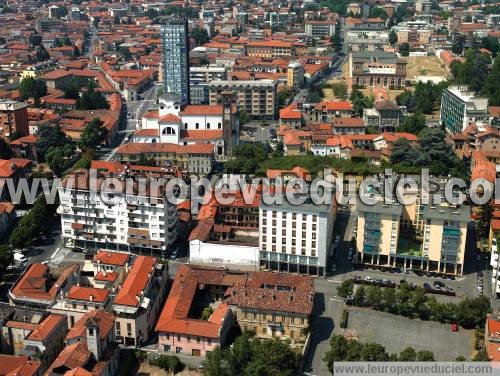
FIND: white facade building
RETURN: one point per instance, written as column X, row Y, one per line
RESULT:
column 113, row 219
column 191, row 124
column 296, row 238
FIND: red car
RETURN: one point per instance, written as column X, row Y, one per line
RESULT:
column 454, row 327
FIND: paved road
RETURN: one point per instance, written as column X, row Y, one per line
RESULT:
column 135, row 110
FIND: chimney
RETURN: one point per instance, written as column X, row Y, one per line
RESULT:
column 91, row 297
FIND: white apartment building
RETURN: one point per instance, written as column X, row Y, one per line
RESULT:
column 92, row 218
column 296, row 238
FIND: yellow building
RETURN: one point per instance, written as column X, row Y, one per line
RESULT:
column 425, row 237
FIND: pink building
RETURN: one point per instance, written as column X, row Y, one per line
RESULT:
column 177, row 333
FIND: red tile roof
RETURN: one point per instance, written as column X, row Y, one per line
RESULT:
column 89, row 294
column 291, row 112
column 106, row 276
column 47, row 327
column 202, row 109
column 111, row 257
column 137, row 148
column 333, row 106
column 33, row 283
column 72, row 356
column 201, row 134
column 105, row 321
column 22, row 365
column 170, row 118
column 136, row 281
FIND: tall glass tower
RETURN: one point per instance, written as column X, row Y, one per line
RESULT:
column 175, row 64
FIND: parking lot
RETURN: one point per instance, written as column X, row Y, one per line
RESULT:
column 397, row 333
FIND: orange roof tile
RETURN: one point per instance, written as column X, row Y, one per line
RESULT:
column 111, row 257
column 137, row 279
column 89, row 294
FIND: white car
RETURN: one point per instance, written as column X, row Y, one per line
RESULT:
column 20, row 259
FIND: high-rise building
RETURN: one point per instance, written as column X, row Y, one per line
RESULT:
column 175, row 64
column 460, row 107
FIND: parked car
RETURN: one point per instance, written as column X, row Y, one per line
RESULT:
column 454, row 327
column 438, row 284
column 427, row 286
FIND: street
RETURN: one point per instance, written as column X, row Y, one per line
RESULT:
column 135, row 110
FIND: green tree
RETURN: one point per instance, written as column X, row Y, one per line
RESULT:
column 50, row 136
column 393, row 37
column 200, row 36
column 93, row 135
column 246, row 159
column 337, row 351
column 253, row 356
column 404, row 49
column 373, row 296
column 6, row 257
column 169, row 363
column 360, row 102
column 379, row 12
column 336, row 40
column 413, row 124
column 491, row 89
column 21, row 237
column 345, row 289
column 206, row 313
column 472, row 312
column 34, row 88
column 408, row 355
column 58, row 158
column 5, row 151
column 481, row 356
column 212, row 366
column 491, row 44
column 359, row 296
column 373, row 352
column 41, row 53
column 458, row 44
column 460, row 358
column 244, row 117
column 91, row 99
column 483, row 222
column 425, row 356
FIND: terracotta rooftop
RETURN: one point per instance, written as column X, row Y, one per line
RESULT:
column 111, row 257
column 136, row 281
column 257, row 290
column 105, row 321
column 88, row 294
column 22, row 365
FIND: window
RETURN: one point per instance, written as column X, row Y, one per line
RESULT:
column 166, row 348
column 188, row 339
column 197, row 126
column 91, row 332
column 178, row 337
column 208, row 125
column 197, row 339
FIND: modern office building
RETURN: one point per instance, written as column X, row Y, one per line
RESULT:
column 296, row 238
column 460, row 107
column 416, row 236
column 175, row 65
